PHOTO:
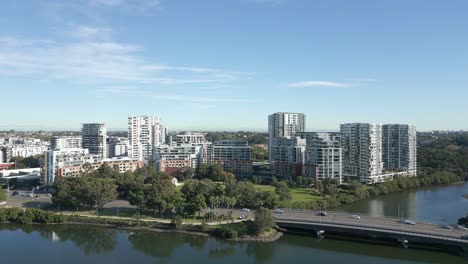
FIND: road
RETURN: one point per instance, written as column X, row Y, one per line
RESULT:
column 339, row 218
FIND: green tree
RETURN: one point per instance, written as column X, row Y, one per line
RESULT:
column 247, row 195
column 330, row 190
column 270, row 199
column 283, row 191
column 159, row 195
column 264, row 221
column 195, row 205
column 100, row 191
column 319, row 186
column 185, row 173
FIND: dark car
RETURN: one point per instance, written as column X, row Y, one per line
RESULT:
column 15, row 193
column 322, row 213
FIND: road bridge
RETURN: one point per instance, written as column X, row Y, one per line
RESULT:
column 373, row 227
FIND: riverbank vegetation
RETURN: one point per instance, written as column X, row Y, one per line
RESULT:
column 30, row 216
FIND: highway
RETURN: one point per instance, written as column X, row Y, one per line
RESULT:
column 385, row 224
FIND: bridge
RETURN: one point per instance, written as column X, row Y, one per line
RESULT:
column 422, row 233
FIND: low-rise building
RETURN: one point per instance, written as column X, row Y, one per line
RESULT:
column 172, row 158
column 66, row 142
column 122, row 164
column 54, row 160
column 26, row 151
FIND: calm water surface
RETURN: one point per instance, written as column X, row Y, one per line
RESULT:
column 88, row 244
column 443, row 204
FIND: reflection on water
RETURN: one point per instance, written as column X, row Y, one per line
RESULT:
column 88, row 244
column 439, row 204
column 90, row 239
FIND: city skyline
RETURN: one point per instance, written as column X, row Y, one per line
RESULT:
column 189, row 63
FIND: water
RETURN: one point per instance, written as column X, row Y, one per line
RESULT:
column 443, row 204
column 89, row 244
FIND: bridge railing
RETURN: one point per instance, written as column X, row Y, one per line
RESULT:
column 344, row 213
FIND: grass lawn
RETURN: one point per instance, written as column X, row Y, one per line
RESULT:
column 264, row 188
column 304, row 195
column 298, row 194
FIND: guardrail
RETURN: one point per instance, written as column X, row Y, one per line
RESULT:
column 378, row 228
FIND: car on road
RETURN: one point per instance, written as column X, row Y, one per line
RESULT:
column 15, row 193
column 462, row 228
column 49, row 195
column 446, row 227
column 28, row 195
column 409, row 222
column 2, row 203
column 356, row 217
column 245, row 210
column 322, row 213
column 242, row 217
column 279, row 211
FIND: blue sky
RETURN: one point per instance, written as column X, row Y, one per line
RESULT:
column 227, row 64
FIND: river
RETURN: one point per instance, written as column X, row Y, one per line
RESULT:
column 442, row 204
column 89, row 244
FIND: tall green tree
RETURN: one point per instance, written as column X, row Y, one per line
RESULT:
column 283, row 191
column 264, row 221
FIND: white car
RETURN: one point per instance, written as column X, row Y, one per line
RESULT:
column 242, row 217
column 462, row 228
column 279, row 211
column 356, row 217
column 246, row 210
column 2, row 203
column 408, row 222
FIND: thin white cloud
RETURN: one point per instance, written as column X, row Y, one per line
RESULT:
column 107, row 2
column 87, row 32
column 324, row 84
column 163, row 96
column 126, row 3
column 94, row 61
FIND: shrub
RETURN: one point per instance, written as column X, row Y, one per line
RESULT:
column 177, row 222
column 226, row 232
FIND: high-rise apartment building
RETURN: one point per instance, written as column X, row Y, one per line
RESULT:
column 288, row 157
column 234, row 155
column 284, row 125
column 94, row 137
column 323, row 155
column 66, row 142
column 57, row 159
column 117, row 147
column 399, row 148
column 362, row 152
column 144, row 134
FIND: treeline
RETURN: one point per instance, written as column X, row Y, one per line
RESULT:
column 29, row 216
column 251, row 137
column 335, row 194
column 28, row 162
column 154, row 193
column 444, row 152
